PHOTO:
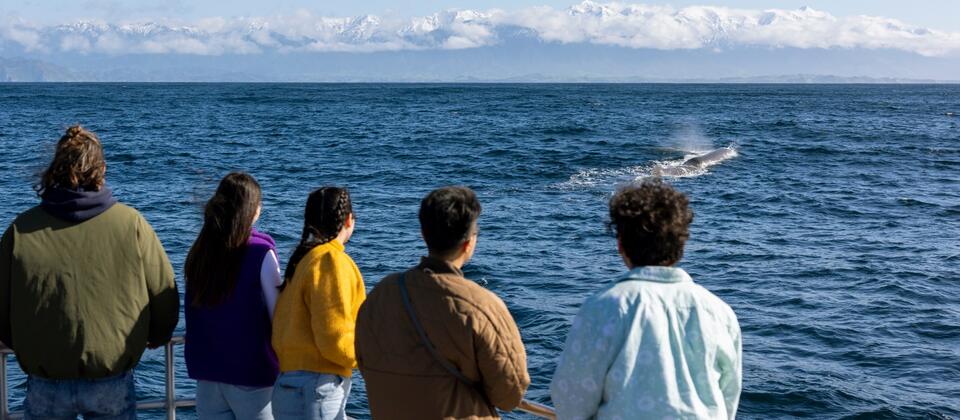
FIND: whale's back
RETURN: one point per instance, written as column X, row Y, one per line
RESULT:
column 710, row 158
column 696, row 162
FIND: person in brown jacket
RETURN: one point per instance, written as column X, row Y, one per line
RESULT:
column 474, row 361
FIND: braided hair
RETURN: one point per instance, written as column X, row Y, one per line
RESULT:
column 78, row 163
column 326, row 214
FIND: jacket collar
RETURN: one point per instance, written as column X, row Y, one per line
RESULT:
column 438, row 266
column 256, row 235
column 657, row 274
column 333, row 243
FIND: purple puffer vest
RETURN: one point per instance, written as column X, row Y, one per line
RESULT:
column 230, row 342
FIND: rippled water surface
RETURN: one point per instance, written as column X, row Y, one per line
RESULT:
column 834, row 235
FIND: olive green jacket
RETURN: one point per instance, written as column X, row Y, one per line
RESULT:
column 83, row 300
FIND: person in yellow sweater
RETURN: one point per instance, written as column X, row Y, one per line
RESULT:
column 316, row 314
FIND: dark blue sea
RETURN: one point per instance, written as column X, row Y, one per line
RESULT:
column 834, row 235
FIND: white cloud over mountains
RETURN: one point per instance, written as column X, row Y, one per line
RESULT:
column 613, row 24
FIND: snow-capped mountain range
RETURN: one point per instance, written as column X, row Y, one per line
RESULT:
column 635, row 26
column 588, row 41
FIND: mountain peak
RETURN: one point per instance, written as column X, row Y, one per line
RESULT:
column 590, row 22
column 591, row 8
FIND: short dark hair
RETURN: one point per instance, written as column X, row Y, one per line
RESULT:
column 447, row 217
column 652, row 221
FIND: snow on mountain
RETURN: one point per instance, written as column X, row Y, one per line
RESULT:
column 636, row 26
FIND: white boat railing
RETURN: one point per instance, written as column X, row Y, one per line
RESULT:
column 170, row 403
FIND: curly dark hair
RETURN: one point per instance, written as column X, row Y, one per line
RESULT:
column 652, row 221
column 448, row 217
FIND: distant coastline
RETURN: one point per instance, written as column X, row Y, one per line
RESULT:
column 26, row 70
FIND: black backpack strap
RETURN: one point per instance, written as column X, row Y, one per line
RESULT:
column 433, row 350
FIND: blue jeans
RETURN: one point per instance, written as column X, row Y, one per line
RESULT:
column 110, row 398
column 220, row 401
column 301, row 395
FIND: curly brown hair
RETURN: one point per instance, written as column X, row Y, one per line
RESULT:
column 77, row 164
column 652, row 222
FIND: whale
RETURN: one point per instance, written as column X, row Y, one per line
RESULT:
column 696, row 163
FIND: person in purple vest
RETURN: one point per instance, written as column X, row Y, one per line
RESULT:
column 232, row 275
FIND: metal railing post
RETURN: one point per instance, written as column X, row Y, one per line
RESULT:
column 171, row 387
column 537, row 409
column 4, row 407
column 169, row 402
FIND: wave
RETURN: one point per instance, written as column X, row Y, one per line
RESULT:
column 566, row 130
column 594, row 177
column 913, row 202
column 609, row 177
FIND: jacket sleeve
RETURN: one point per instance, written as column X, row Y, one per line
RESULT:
column 6, row 257
column 164, row 304
column 729, row 361
column 502, row 359
column 592, row 344
column 333, row 301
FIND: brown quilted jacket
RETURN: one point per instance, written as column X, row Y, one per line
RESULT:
column 469, row 326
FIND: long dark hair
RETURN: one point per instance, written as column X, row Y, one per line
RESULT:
column 213, row 263
column 326, row 213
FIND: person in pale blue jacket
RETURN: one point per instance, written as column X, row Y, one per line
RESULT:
column 653, row 344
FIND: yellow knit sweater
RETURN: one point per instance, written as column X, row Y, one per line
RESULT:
column 316, row 314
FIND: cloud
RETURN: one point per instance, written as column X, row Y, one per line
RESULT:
column 19, row 33
column 637, row 26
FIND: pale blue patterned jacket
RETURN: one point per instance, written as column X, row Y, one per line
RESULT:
column 653, row 345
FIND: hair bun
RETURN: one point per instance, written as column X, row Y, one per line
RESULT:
column 75, row 131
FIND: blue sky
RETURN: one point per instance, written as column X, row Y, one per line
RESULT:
column 935, row 14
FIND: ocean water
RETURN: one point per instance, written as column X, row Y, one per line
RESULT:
column 834, row 234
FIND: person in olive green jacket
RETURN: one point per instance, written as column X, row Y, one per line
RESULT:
column 85, row 287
